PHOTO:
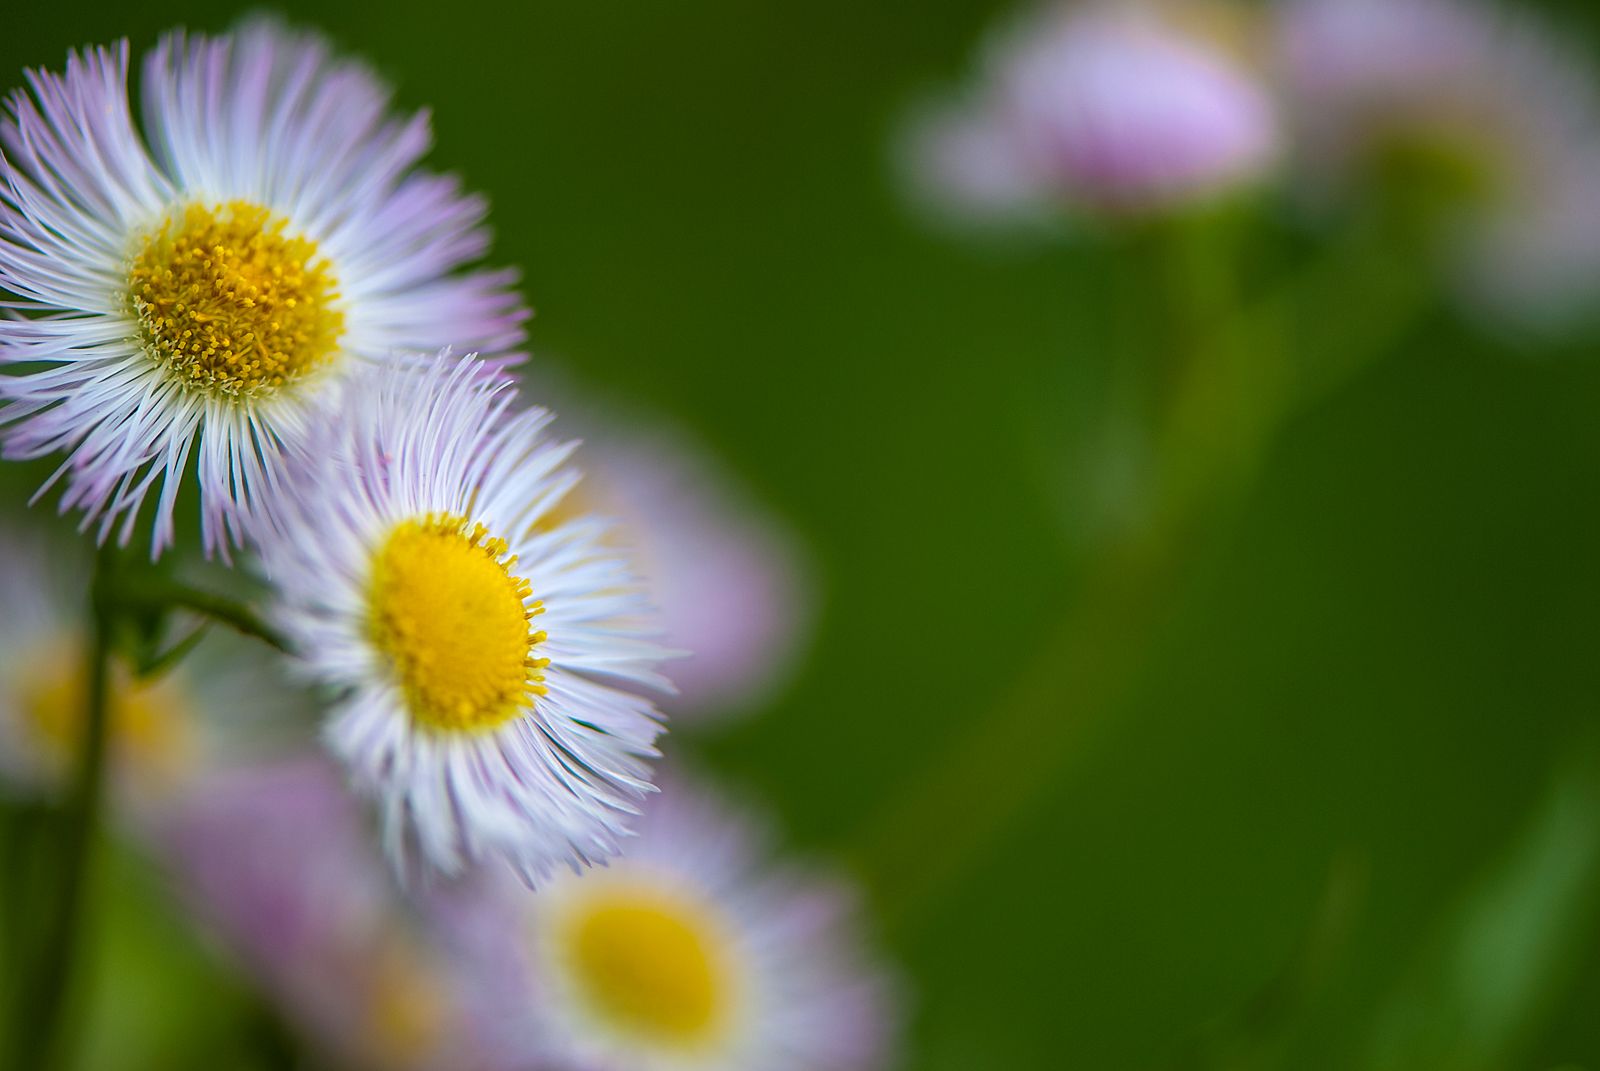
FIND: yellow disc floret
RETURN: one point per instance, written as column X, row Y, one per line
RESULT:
column 230, row 303
column 456, row 624
column 649, row 965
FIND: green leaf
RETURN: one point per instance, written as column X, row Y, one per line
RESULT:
column 1503, row 953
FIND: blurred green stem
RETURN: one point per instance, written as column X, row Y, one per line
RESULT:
column 1345, row 309
column 1221, row 389
column 40, row 1034
column 1174, row 413
column 128, row 609
column 1256, row 1036
column 931, row 832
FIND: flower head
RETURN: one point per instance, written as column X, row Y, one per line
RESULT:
column 487, row 661
column 1120, row 108
column 1485, row 122
column 691, row 952
column 186, row 295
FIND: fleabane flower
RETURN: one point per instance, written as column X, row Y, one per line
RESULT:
column 183, row 294
column 1482, row 119
column 489, row 663
column 1101, row 108
column 694, row 952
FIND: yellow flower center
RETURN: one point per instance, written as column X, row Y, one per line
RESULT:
column 232, row 305
column 407, row 1012
column 456, row 624
column 649, row 965
column 147, row 721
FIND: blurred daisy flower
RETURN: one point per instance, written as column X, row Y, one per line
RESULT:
column 1136, row 108
column 691, row 952
column 275, row 862
column 487, row 664
column 163, row 731
column 1474, row 122
column 190, row 290
column 727, row 577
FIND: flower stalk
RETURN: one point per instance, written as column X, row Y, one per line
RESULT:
column 125, row 601
column 1220, row 377
column 43, row 1042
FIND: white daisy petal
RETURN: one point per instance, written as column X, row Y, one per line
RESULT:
column 490, row 663
column 691, row 953
column 191, row 297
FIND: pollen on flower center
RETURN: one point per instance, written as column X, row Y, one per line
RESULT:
column 231, row 304
column 456, row 624
column 648, row 965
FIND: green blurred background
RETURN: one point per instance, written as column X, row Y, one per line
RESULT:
column 1362, row 699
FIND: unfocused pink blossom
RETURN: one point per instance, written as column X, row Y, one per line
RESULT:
column 730, row 580
column 726, row 575
column 1120, row 108
column 277, row 864
column 1500, row 108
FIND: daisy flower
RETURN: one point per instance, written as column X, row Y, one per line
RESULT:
column 487, row 661
column 693, row 952
column 1487, row 119
column 1111, row 108
column 274, row 861
column 162, row 731
column 183, row 294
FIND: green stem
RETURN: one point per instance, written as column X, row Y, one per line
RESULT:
column 43, row 1040
column 1177, row 410
column 121, row 599
column 1230, row 388
column 934, row 830
column 156, row 593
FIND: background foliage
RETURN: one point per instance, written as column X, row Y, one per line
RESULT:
column 1348, row 801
